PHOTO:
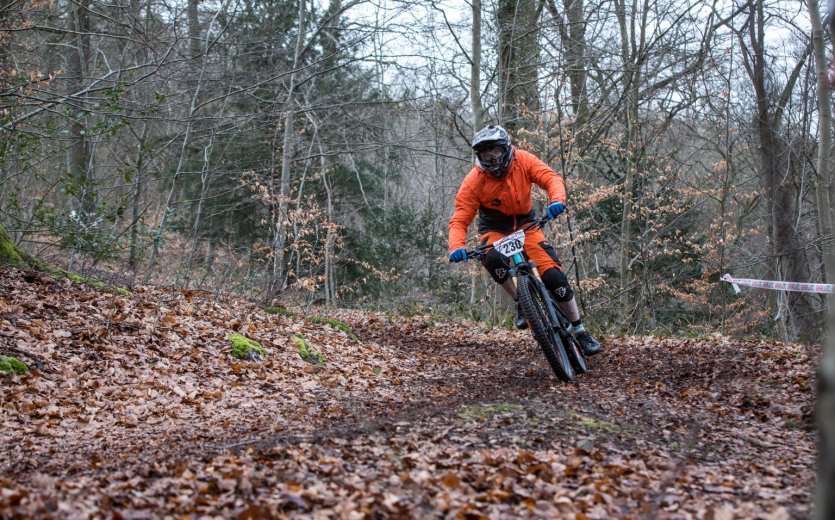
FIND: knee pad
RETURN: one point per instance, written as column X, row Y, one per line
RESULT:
column 556, row 281
column 496, row 265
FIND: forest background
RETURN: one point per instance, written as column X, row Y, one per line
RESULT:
column 298, row 152
column 307, row 152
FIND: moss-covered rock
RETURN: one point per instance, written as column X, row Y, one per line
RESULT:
column 245, row 348
column 307, row 352
column 336, row 324
column 9, row 254
column 14, row 257
column 10, row 366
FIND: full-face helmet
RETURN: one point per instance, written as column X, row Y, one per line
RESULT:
column 493, row 151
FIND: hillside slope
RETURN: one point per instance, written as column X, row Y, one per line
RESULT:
column 138, row 410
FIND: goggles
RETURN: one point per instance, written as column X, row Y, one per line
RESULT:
column 491, row 154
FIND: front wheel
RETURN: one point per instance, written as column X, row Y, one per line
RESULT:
column 535, row 310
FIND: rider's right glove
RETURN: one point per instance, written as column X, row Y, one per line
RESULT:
column 459, row 255
column 554, row 209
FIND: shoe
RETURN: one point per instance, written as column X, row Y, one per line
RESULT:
column 588, row 344
column 521, row 322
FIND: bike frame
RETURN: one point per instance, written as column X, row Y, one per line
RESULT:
column 561, row 349
column 517, row 261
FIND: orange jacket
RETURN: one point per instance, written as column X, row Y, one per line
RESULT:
column 502, row 204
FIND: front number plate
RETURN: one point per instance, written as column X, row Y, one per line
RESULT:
column 511, row 244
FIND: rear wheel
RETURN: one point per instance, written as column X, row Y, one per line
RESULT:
column 534, row 308
column 572, row 347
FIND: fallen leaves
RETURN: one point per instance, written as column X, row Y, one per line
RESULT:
column 140, row 410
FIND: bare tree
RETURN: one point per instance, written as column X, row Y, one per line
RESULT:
column 823, row 179
column 518, row 22
column 825, row 493
column 475, row 69
column 778, row 174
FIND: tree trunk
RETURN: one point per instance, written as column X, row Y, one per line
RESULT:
column 632, row 81
column 574, row 39
column 475, row 70
column 797, row 310
column 825, row 493
column 194, row 28
column 80, row 153
column 286, row 155
column 518, row 63
column 329, row 241
column 476, row 105
column 138, row 189
column 823, row 179
column 576, row 68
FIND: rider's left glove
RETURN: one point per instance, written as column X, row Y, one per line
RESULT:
column 459, row 255
column 555, row 208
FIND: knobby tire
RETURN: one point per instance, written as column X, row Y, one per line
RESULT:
column 535, row 311
column 574, row 353
column 572, row 347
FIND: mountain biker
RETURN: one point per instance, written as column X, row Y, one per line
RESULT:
column 498, row 188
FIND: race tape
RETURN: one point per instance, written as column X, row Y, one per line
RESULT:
column 778, row 286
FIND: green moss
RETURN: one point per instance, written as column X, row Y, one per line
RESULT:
column 91, row 282
column 597, row 424
column 336, row 324
column 281, row 311
column 12, row 366
column 481, row 412
column 245, row 348
column 307, row 352
column 9, row 254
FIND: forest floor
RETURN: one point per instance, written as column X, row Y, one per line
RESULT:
column 138, row 410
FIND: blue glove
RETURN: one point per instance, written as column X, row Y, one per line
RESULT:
column 555, row 208
column 459, row 255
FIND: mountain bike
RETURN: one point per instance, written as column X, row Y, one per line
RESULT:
column 548, row 324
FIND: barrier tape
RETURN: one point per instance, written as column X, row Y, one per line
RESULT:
column 778, row 286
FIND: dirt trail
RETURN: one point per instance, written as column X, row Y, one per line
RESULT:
column 139, row 412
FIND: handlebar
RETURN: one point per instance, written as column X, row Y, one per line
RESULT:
column 482, row 250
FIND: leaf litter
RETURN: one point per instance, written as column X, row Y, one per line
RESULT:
column 138, row 410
